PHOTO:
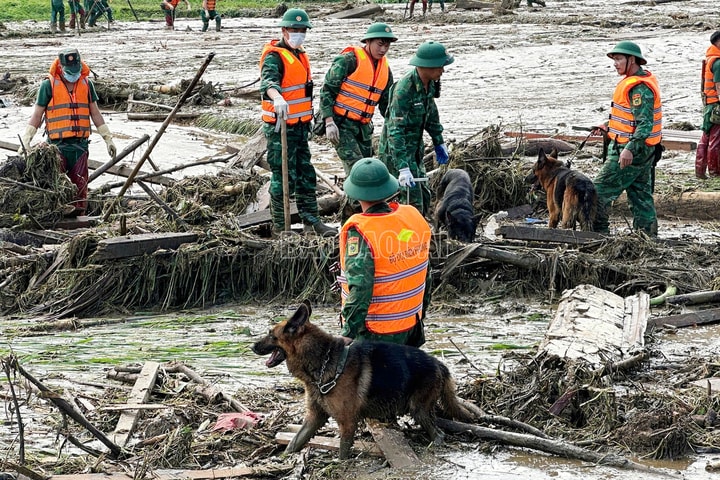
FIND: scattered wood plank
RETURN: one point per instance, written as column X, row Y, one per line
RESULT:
column 473, row 4
column 703, row 317
column 139, row 394
column 393, row 445
column 672, row 140
column 250, row 153
column 134, row 406
column 170, row 474
column 694, row 298
column 712, row 384
column 134, row 245
column 159, row 116
column 328, row 443
column 358, row 12
column 263, row 216
column 549, row 235
column 73, row 223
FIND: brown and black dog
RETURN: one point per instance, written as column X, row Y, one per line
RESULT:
column 363, row 380
column 571, row 196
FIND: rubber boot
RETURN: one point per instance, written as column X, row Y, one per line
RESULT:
column 412, row 7
column 72, row 21
column 205, row 26
column 713, row 151
column 83, row 17
column 217, row 23
column 53, row 27
column 320, row 228
column 110, row 15
column 701, row 158
column 62, row 25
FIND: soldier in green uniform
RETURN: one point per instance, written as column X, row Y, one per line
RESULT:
column 635, row 130
column 286, row 92
column 357, row 82
column 412, row 111
column 369, row 259
column 57, row 13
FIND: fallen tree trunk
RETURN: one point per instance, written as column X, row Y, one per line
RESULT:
column 555, row 447
column 694, row 298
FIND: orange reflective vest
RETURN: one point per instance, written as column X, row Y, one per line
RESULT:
column 709, row 91
column 68, row 114
column 360, row 91
column 400, row 245
column 622, row 123
column 293, row 87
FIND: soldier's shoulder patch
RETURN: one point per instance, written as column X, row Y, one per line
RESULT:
column 636, row 100
column 353, row 246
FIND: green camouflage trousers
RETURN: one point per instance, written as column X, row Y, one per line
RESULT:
column 355, row 142
column 418, row 196
column 636, row 180
column 301, row 173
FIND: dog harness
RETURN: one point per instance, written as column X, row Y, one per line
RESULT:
column 327, row 386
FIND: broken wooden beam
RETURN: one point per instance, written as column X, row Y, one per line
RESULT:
column 393, row 445
column 159, row 116
column 473, row 4
column 330, row 443
column 134, row 245
column 694, row 298
column 549, row 235
column 263, row 216
column 139, row 394
column 229, row 472
column 358, row 12
column 672, row 140
column 703, row 317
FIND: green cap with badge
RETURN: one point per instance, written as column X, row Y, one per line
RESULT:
column 295, row 18
column 70, row 60
column 379, row 30
column 628, row 48
column 431, row 55
column 370, row 181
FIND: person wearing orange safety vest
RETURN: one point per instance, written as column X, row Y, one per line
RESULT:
column 169, row 7
column 68, row 101
column 286, row 94
column 635, row 131
column 384, row 258
column 707, row 157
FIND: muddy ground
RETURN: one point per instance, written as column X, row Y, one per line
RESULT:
column 539, row 69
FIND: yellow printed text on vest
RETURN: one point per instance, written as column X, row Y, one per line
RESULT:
column 293, row 87
column 400, row 245
column 622, row 123
column 360, row 91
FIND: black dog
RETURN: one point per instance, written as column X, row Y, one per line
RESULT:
column 455, row 205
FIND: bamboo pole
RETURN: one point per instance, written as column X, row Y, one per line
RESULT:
column 159, row 134
column 285, row 179
column 126, row 151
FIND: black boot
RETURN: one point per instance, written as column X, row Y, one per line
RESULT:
column 320, row 228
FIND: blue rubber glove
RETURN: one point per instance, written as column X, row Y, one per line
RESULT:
column 405, row 179
column 441, row 154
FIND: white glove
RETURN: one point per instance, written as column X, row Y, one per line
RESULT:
column 27, row 138
column 405, row 179
column 332, row 132
column 104, row 132
column 281, row 108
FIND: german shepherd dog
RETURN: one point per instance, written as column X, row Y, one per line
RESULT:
column 571, row 196
column 363, row 380
column 455, row 205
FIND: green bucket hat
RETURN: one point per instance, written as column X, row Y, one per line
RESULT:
column 70, row 60
column 628, row 48
column 370, row 181
column 379, row 30
column 295, row 18
column 431, row 55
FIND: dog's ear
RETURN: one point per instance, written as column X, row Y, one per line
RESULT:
column 297, row 321
column 553, row 153
column 541, row 159
column 306, row 302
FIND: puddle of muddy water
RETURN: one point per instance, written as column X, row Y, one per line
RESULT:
column 216, row 344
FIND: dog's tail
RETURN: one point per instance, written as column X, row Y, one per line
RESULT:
column 453, row 406
column 589, row 207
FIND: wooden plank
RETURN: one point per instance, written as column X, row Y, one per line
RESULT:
column 703, row 317
column 327, row 443
column 358, row 12
column 140, row 394
column 134, row 245
column 133, row 406
column 552, row 235
column 694, row 298
column 671, row 142
column 81, row 221
column 263, row 216
column 159, row 116
column 703, row 383
column 393, row 444
column 473, row 4
column 115, row 170
column 228, row 472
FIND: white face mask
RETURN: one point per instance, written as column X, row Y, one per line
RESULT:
column 71, row 77
column 296, row 39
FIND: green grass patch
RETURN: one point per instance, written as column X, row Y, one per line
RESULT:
column 508, row 346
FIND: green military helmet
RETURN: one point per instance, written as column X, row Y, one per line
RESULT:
column 431, row 55
column 370, row 181
column 295, row 18
column 628, row 48
column 379, row 30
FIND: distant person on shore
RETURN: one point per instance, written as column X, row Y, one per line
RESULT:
column 286, row 90
column 77, row 14
column 357, row 83
column 57, row 12
column 635, row 131
column 411, row 112
column 412, row 7
column 442, row 5
column 707, row 156
column 95, row 9
column 68, row 101
column 169, row 7
column 209, row 13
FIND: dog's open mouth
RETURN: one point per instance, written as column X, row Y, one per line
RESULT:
column 276, row 358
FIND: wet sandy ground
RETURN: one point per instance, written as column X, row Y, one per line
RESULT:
column 545, row 70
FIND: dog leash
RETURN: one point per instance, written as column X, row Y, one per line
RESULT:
column 326, row 387
column 421, row 179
